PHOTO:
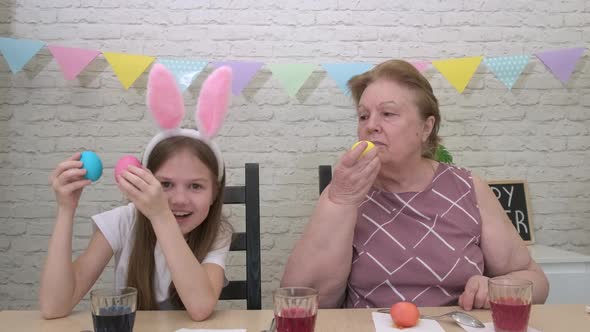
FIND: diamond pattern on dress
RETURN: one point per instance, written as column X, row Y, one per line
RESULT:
column 420, row 246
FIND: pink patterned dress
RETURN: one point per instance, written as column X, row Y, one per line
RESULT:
column 420, row 247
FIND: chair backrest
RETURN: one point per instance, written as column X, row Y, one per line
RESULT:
column 249, row 241
column 325, row 175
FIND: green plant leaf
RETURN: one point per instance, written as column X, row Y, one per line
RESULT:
column 443, row 155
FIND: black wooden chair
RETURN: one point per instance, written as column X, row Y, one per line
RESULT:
column 249, row 241
column 325, row 175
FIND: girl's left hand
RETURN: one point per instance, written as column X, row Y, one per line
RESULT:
column 145, row 191
column 475, row 295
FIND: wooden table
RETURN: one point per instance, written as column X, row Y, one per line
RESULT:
column 547, row 318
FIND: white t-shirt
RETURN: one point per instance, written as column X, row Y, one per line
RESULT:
column 117, row 227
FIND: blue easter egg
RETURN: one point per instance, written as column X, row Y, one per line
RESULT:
column 92, row 164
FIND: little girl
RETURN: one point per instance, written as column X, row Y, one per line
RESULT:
column 170, row 242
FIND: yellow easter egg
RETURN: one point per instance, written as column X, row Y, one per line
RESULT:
column 370, row 146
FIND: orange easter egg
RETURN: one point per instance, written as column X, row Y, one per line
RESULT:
column 405, row 314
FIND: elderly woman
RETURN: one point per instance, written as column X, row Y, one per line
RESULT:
column 396, row 225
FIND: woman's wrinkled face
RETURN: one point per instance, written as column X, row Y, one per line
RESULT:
column 190, row 187
column 389, row 117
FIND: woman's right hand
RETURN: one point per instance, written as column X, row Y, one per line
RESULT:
column 353, row 176
column 67, row 181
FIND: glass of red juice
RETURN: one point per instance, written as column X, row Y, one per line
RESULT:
column 510, row 300
column 295, row 309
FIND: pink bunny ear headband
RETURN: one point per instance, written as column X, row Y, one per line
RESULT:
column 166, row 104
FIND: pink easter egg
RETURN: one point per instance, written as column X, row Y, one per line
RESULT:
column 123, row 163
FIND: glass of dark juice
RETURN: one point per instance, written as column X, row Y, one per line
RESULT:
column 510, row 301
column 113, row 309
column 295, row 309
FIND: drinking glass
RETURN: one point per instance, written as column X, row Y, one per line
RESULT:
column 295, row 309
column 113, row 309
column 510, row 300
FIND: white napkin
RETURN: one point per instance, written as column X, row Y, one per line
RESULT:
column 489, row 328
column 383, row 323
column 210, row 330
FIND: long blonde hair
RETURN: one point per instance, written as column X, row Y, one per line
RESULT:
column 200, row 240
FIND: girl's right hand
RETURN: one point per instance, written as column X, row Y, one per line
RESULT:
column 67, row 181
column 353, row 176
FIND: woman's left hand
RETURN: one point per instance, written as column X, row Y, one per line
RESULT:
column 475, row 295
column 145, row 191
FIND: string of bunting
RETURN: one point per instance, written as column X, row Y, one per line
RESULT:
column 128, row 67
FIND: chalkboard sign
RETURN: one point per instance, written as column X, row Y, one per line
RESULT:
column 514, row 198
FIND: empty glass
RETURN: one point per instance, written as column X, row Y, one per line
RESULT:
column 113, row 310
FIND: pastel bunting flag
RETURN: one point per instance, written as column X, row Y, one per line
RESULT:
column 128, row 67
column 458, row 71
column 18, row 52
column 184, row 70
column 561, row 62
column 507, row 68
column 421, row 65
column 243, row 72
column 292, row 76
column 342, row 72
column 71, row 60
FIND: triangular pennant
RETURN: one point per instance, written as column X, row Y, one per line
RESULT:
column 561, row 62
column 292, row 76
column 342, row 72
column 184, row 70
column 128, row 67
column 458, row 71
column 71, row 60
column 243, row 72
column 17, row 52
column 507, row 68
column 420, row 65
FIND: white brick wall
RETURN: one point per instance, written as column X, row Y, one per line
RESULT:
column 539, row 131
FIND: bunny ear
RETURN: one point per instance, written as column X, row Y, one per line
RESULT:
column 214, row 101
column 164, row 99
